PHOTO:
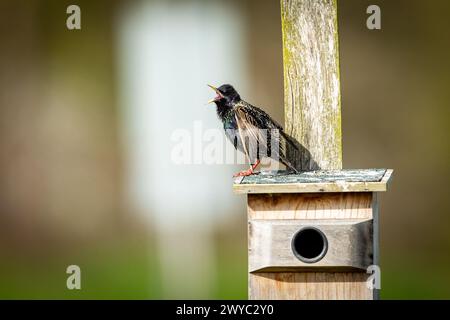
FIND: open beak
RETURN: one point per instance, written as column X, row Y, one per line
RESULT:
column 219, row 95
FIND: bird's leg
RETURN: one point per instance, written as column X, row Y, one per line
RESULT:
column 255, row 165
column 247, row 172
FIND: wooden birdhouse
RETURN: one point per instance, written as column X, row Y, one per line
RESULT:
column 312, row 235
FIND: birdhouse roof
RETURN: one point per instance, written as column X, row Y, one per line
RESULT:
column 348, row 180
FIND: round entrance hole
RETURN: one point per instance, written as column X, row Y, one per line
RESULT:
column 309, row 244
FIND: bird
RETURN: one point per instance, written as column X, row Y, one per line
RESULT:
column 251, row 130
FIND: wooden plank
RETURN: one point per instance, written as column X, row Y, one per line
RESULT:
column 369, row 180
column 310, row 188
column 311, row 206
column 311, row 82
column 349, row 245
column 311, row 285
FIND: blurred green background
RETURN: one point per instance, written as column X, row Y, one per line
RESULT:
column 65, row 159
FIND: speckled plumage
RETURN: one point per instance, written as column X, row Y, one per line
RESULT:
column 244, row 122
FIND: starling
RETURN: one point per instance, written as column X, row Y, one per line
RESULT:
column 251, row 130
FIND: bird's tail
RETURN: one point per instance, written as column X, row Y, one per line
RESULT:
column 291, row 146
column 289, row 165
column 290, row 140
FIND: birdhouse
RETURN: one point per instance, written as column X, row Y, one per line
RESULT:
column 312, row 235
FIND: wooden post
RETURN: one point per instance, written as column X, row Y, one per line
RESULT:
column 311, row 81
column 312, row 235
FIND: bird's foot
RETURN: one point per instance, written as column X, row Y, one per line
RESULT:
column 244, row 173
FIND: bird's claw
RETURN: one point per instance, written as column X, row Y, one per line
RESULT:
column 244, row 173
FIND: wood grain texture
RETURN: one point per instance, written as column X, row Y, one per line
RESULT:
column 314, row 207
column 310, row 187
column 309, row 286
column 311, row 82
column 311, row 206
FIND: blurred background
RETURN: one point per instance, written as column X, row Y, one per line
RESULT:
column 86, row 124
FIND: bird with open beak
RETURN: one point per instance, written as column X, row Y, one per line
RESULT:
column 263, row 136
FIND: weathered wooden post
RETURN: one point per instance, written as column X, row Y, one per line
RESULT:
column 312, row 235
